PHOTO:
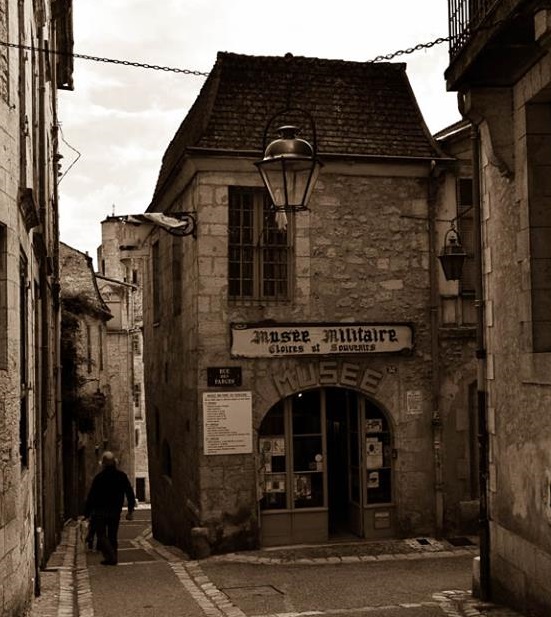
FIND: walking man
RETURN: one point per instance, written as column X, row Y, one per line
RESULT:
column 105, row 501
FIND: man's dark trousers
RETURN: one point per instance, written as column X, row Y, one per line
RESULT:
column 107, row 528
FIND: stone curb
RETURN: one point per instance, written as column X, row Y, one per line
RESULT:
column 342, row 559
column 462, row 604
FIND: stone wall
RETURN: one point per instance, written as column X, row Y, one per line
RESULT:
column 514, row 145
column 22, row 477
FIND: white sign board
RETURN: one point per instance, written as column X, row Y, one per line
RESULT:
column 414, row 402
column 260, row 341
column 227, row 422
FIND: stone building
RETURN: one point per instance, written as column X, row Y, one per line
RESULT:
column 120, row 277
column 31, row 514
column 501, row 67
column 86, row 391
column 295, row 387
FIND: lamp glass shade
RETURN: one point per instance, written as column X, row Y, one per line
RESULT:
column 289, row 181
column 289, row 170
column 452, row 258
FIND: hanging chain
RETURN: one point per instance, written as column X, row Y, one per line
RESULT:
column 410, row 50
column 171, row 69
column 141, row 65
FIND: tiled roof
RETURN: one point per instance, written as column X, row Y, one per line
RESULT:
column 359, row 108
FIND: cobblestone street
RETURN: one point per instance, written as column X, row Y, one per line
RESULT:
column 390, row 579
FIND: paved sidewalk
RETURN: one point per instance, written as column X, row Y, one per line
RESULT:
column 57, row 580
column 68, row 582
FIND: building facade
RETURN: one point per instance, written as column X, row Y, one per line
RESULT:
column 31, row 489
column 120, row 278
column 295, row 387
column 86, row 391
column 501, row 67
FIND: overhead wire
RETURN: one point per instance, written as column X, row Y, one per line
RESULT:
column 79, row 154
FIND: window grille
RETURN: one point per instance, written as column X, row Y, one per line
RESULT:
column 260, row 250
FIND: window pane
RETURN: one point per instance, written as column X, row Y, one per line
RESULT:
column 308, row 490
column 378, row 451
column 273, row 423
column 307, row 453
column 273, row 459
column 275, row 257
column 306, row 413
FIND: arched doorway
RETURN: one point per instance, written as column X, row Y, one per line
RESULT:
column 325, row 468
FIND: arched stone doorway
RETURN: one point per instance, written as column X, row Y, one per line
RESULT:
column 326, row 468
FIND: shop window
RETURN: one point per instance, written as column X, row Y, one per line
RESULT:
column 273, row 459
column 259, row 250
column 296, row 421
column 307, row 450
column 378, row 456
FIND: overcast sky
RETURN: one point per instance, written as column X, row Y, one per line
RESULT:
column 121, row 119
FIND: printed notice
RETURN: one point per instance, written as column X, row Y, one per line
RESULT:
column 414, row 402
column 227, row 423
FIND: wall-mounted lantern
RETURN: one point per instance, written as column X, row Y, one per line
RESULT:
column 290, row 166
column 452, row 256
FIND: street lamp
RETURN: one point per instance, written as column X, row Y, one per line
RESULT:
column 290, row 167
column 452, row 256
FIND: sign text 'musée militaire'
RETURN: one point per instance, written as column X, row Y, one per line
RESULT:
column 260, row 341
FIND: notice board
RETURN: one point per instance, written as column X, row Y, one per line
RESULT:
column 227, row 423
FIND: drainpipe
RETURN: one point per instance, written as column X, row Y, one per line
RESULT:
column 435, row 385
column 484, row 523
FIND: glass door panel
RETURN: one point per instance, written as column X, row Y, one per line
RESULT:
column 378, row 456
column 307, row 450
column 273, row 459
column 355, row 518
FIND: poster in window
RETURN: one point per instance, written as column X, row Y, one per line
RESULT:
column 266, row 446
column 274, row 446
column 303, row 487
column 275, row 484
column 373, row 425
column 373, row 479
column 373, row 453
column 278, row 446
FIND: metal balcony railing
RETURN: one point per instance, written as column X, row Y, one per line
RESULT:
column 465, row 17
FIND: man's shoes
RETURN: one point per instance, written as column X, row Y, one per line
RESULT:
column 108, row 562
